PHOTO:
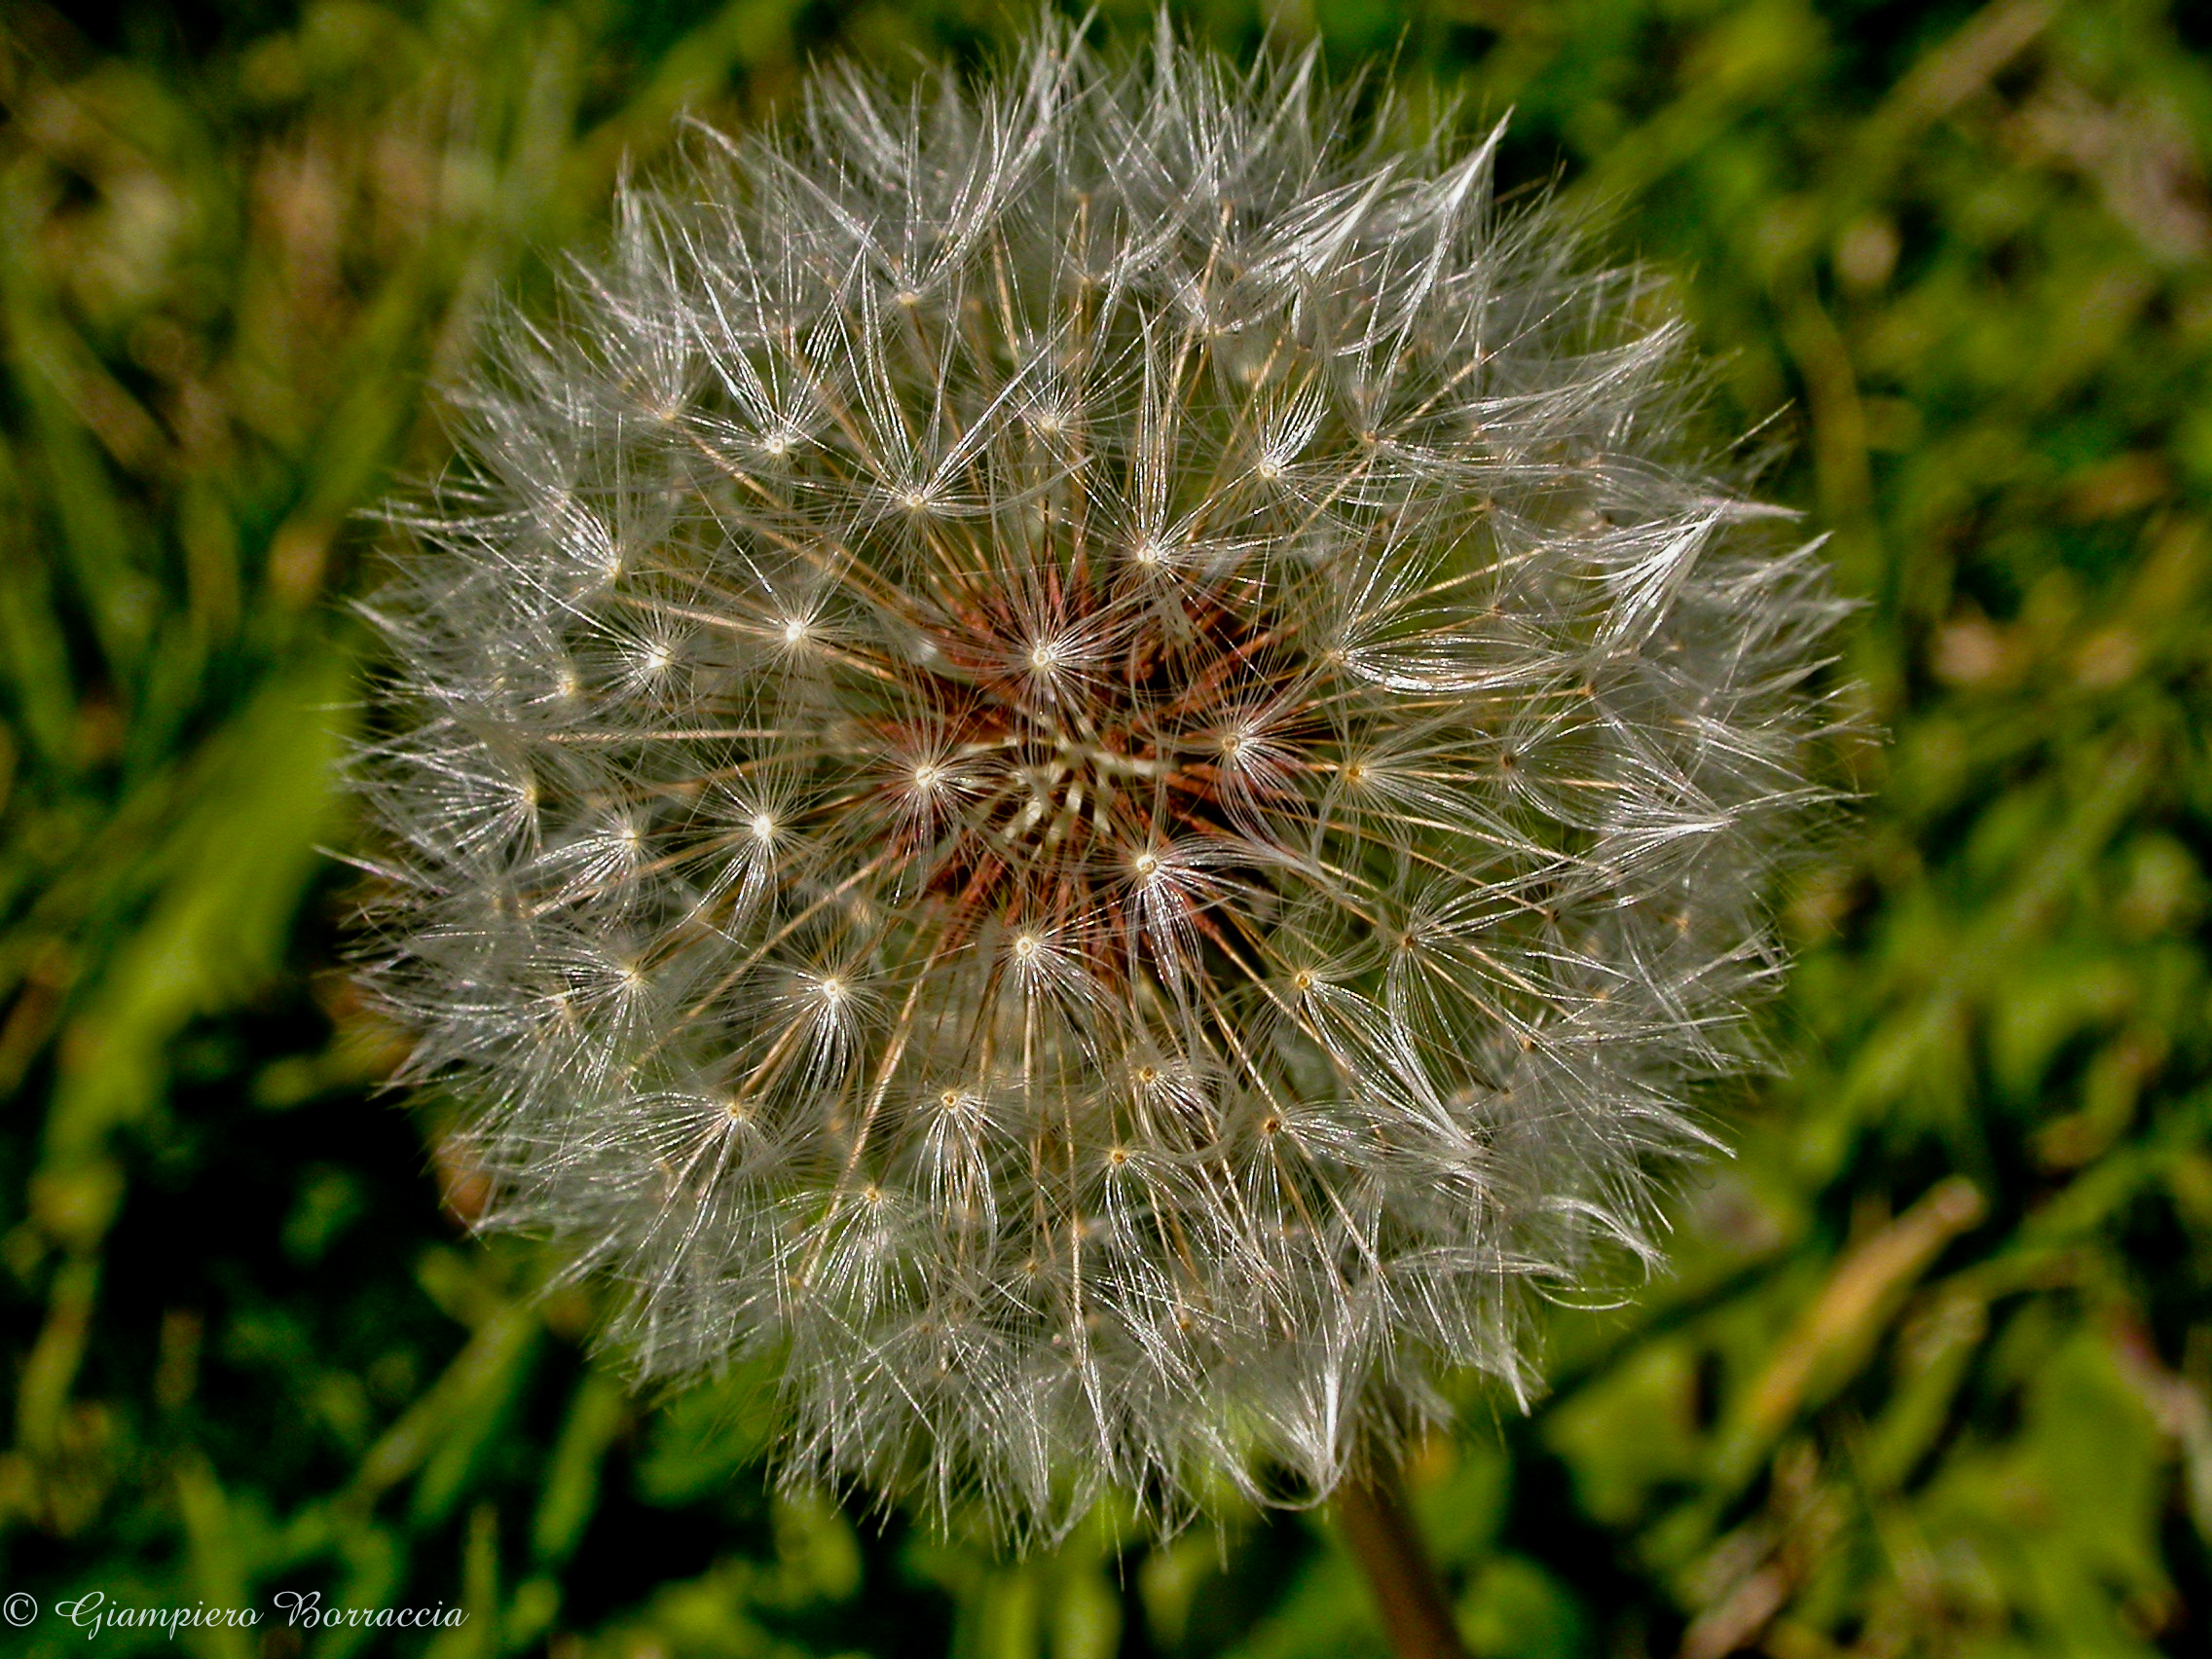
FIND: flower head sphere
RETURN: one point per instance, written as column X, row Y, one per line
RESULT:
column 1093, row 765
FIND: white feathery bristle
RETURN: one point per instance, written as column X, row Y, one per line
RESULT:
column 1094, row 765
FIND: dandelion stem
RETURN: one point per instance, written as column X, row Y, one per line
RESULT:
column 1380, row 1531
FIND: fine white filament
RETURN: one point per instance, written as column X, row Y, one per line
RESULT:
column 1092, row 763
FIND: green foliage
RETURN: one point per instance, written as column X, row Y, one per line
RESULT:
column 1934, row 1373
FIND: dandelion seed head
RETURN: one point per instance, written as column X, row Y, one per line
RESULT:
column 1097, row 763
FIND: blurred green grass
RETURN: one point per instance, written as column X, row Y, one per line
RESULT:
column 1935, row 1374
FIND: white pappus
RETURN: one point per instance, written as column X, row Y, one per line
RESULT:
column 1093, row 762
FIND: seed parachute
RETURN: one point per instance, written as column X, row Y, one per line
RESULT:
column 1094, row 763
